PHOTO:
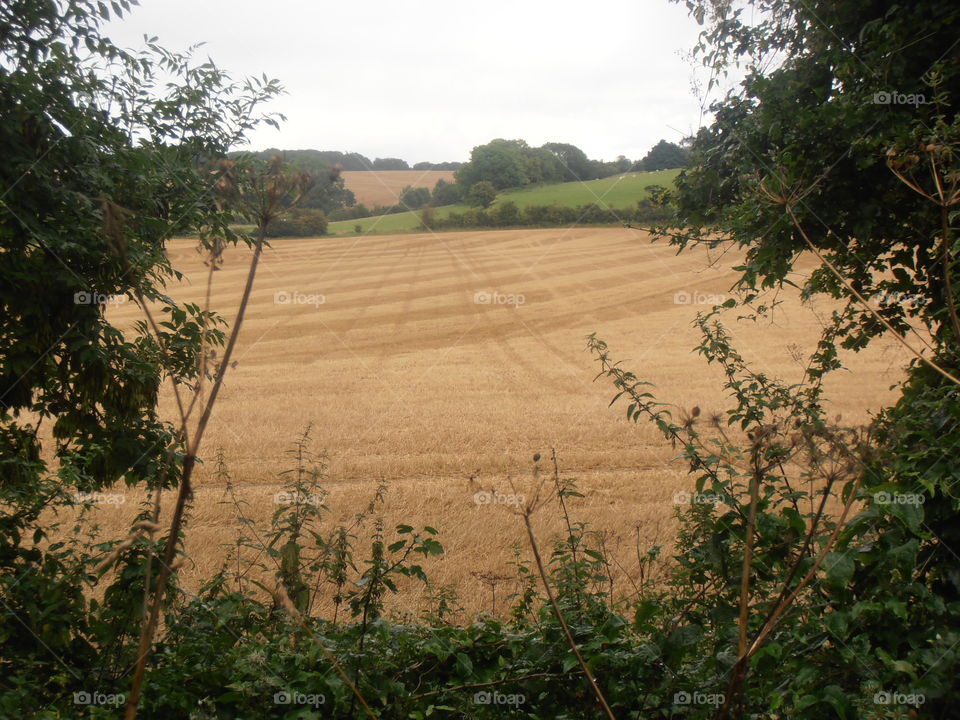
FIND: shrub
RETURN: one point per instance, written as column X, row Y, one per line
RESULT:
column 534, row 215
column 482, row 193
column 350, row 213
column 446, row 193
column 414, row 198
column 427, row 218
column 299, row 223
column 506, row 213
column 560, row 215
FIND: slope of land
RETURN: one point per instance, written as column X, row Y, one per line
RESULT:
column 617, row 191
column 441, row 363
column 383, row 187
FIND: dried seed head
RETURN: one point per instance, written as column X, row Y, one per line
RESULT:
column 281, row 599
column 147, row 525
column 115, row 553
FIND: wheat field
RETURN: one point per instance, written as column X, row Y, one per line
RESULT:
column 441, row 364
column 383, row 187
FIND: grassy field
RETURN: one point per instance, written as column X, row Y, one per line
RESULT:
column 382, row 187
column 618, row 191
column 615, row 191
column 409, row 377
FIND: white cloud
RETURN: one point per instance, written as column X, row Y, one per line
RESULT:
column 428, row 80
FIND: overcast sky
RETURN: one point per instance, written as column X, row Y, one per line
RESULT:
column 429, row 80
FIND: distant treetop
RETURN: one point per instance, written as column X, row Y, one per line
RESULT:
column 437, row 166
column 664, row 156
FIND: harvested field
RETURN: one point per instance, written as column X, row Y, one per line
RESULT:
column 383, row 187
column 440, row 364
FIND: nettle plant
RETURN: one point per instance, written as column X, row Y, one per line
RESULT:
column 775, row 480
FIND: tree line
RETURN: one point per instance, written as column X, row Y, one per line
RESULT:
column 494, row 166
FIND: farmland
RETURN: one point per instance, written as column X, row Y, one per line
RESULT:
column 411, row 378
column 383, row 187
column 618, row 191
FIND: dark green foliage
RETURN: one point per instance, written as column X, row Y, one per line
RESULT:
column 390, row 164
column 502, row 163
column 507, row 213
column 664, row 156
column 350, row 213
column 300, row 222
column 513, row 163
column 446, row 193
column 822, row 134
column 328, row 192
column 482, row 194
column 414, row 198
column 574, row 162
column 437, row 166
column 84, row 220
column 317, row 159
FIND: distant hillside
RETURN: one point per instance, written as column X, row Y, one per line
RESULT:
column 383, row 186
column 616, row 191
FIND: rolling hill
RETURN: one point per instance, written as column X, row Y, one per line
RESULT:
column 617, row 191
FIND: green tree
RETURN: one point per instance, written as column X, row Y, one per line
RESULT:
column 106, row 156
column 846, row 149
column 446, row 193
column 664, row 156
column 482, row 194
column 502, row 163
column 328, row 192
column 299, row 223
column 506, row 213
column 414, row 198
column 621, row 165
column 390, row 164
column 574, row 161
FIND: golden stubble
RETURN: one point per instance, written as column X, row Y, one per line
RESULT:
column 440, row 364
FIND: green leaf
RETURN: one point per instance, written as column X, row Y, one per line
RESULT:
column 839, row 568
